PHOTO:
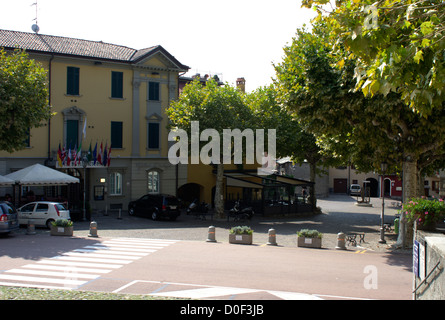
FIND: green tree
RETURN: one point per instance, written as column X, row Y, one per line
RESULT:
column 23, row 99
column 317, row 83
column 398, row 45
column 214, row 107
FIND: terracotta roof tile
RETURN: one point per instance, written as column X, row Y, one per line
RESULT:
column 78, row 47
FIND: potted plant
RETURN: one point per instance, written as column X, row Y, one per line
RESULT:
column 309, row 238
column 241, row 235
column 426, row 213
column 62, row 227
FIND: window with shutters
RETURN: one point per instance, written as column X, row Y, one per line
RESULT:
column 117, row 84
column 153, row 135
column 153, row 91
column 116, row 134
column 72, row 81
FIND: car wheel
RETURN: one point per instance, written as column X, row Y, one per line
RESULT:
column 154, row 215
column 49, row 223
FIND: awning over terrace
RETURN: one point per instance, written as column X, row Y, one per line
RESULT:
column 272, row 194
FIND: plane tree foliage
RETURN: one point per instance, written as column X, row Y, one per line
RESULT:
column 23, row 99
column 399, row 46
column 317, row 81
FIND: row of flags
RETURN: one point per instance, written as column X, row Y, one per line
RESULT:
column 73, row 157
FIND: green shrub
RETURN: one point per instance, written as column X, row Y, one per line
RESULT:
column 62, row 223
column 309, row 233
column 241, row 230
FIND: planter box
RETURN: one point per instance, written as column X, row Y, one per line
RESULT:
column 61, row 231
column 309, row 242
column 240, row 238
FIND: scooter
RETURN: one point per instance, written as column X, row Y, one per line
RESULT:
column 241, row 213
column 199, row 210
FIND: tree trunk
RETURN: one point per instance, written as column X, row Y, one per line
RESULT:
column 410, row 190
column 312, row 198
column 219, row 203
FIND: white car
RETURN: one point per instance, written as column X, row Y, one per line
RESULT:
column 42, row 213
column 355, row 189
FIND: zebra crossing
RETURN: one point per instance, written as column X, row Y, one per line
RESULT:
column 75, row 268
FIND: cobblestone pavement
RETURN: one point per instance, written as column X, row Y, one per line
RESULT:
column 339, row 214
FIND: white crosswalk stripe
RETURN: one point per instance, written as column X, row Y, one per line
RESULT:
column 75, row 268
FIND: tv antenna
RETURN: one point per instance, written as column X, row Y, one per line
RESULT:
column 35, row 26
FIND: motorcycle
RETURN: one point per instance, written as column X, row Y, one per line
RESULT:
column 199, row 210
column 241, row 214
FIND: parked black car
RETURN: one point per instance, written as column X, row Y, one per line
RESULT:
column 156, row 206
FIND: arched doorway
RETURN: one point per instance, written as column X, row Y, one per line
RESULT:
column 373, row 186
column 189, row 192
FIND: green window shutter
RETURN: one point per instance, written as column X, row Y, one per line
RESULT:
column 72, row 133
column 72, row 80
column 116, row 134
column 117, row 84
column 153, row 91
column 153, row 135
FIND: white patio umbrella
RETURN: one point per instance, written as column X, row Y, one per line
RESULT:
column 6, row 182
column 39, row 175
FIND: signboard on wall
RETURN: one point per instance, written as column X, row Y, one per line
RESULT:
column 419, row 259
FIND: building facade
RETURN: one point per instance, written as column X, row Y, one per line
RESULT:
column 107, row 100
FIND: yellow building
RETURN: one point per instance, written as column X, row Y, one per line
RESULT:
column 102, row 94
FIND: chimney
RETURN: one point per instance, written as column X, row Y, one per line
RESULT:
column 241, row 84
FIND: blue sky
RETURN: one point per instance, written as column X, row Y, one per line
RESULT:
column 230, row 38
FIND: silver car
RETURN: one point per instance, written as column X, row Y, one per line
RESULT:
column 355, row 189
column 8, row 217
column 42, row 213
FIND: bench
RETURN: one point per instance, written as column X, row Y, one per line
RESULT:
column 352, row 238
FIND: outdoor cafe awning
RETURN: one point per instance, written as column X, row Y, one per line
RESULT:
column 6, row 182
column 250, row 179
column 39, row 175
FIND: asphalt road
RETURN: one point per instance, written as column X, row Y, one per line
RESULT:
column 126, row 258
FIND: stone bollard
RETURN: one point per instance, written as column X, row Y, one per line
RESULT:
column 341, row 241
column 272, row 238
column 31, row 228
column 93, row 229
column 211, row 234
column 120, row 214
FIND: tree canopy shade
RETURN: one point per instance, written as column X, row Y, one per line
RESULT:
column 23, row 99
column 399, row 47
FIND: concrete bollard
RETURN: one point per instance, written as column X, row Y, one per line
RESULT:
column 272, row 238
column 120, row 214
column 31, row 228
column 211, row 234
column 341, row 241
column 93, row 229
